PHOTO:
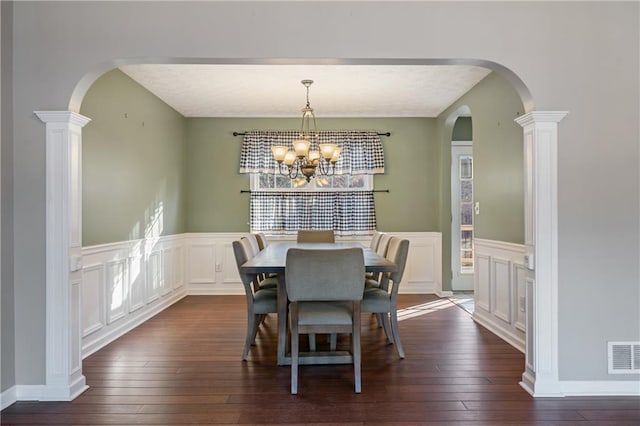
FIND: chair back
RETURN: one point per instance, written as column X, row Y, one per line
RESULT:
column 305, row 236
column 241, row 256
column 383, row 244
column 255, row 246
column 324, row 275
column 375, row 239
column 262, row 240
column 397, row 253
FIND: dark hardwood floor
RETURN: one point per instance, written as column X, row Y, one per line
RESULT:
column 183, row 367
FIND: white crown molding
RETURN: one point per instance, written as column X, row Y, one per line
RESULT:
column 69, row 117
column 546, row 117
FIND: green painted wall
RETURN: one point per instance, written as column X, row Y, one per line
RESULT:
column 133, row 173
column 498, row 165
column 215, row 204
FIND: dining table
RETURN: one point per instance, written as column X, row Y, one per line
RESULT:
column 272, row 260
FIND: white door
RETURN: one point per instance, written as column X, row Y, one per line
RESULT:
column 462, row 216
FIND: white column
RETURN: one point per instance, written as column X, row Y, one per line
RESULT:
column 541, row 241
column 64, row 378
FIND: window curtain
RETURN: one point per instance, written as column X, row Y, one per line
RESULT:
column 361, row 150
column 346, row 212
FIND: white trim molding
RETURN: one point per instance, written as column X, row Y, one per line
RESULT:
column 126, row 283
column 8, row 397
column 63, row 379
column 541, row 244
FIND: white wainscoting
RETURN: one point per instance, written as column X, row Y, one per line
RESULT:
column 126, row 283
column 211, row 267
column 500, row 285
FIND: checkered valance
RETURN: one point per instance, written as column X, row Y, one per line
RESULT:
column 344, row 212
column 361, row 151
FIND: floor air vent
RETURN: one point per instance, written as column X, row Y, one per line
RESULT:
column 624, row 357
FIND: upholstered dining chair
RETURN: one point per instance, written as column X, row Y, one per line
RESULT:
column 255, row 245
column 262, row 240
column 259, row 302
column 325, row 288
column 325, row 236
column 259, row 281
column 373, row 280
column 375, row 239
column 373, row 245
column 383, row 300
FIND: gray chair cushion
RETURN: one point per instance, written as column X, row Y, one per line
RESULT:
column 375, row 300
column 265, row 301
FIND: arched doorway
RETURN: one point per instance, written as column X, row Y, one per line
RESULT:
column 64, row 379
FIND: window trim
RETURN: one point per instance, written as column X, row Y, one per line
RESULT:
column 254, row 185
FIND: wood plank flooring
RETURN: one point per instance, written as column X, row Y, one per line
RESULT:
column 183, row 367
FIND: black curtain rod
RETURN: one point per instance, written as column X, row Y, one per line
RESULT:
column 246, row 191
column 243, row 133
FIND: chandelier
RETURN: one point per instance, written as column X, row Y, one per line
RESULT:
column 302, row 160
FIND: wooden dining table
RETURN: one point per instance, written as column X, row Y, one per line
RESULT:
column 272, row 259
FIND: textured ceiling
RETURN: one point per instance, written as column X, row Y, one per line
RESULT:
column 338, row 90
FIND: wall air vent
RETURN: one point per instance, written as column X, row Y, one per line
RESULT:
column 624, row 357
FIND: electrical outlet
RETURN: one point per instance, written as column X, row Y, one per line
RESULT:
column 218, row 267
column 523, row 304
column 477, row 208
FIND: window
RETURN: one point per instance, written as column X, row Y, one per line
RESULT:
column 466, row 213
column 278, row 182
column 342, row 202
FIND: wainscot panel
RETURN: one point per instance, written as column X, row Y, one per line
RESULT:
column 500, row 289
column 126, row 283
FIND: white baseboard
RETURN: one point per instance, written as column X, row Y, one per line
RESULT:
column 215, row 289
column 501, row 332
column 600, row 388
column 561, row 389
column 8, row 397
column 443, row 293
column 42, row 393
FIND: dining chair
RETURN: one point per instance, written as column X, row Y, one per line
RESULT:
column 255, row 245
column 262, row 240
column 383, row 300
column 375, row 239
column 325, row 288
column 259, row 302
column 373, row 245
column 325, row 236
column 313, row 236
column 373, row 280
column 259, row 280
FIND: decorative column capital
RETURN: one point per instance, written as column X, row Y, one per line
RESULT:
column 69, row 117
column 539, row 117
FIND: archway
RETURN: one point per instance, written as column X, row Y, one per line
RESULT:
column 63, row 135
